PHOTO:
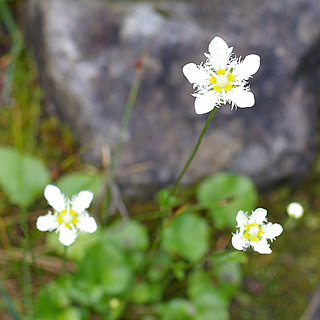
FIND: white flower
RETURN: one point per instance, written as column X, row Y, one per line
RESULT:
column 255, row 231
column 69, row 217
column 222, row 78
column 295, row 210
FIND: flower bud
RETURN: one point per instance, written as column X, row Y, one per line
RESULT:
column 295, row 210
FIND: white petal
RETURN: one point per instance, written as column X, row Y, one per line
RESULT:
column 194, row 74
column 242, row 98
column 242, row 219
column 82, row 201
column 54, row 197
column 219, row 52
column 261, row 246
column 47, row 222
column 67, row 236
column 87, row 224
column 239, row 242
column 272, row 230
column 205, row 103
column 258, row 216
column 248, row 67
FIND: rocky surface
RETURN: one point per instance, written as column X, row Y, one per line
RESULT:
column 87, row 53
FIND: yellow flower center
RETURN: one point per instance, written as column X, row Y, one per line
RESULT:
column 222, row 81
column 67, row 217
column 253, row 232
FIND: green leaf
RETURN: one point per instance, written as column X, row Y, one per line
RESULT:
column 135, row 259
column 225, row 194
column 179, row 269
column 148, row 318
column 70, row 313
column 220, row 313
column 130, row 235
column 227, row 269
column 83, row 292
column 110, row 308
column 166, row 200
column 199, row 282
column 145, row 292
column 79, row 248
column 106, row 265
column 50, row 300
column 178, row 308
column 73, row 183
column 188, row 236
column 208, row 299
column 23, row 177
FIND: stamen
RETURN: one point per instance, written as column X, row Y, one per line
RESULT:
column 253, row 232
column 67, row 218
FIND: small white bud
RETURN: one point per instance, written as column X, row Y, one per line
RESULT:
column 295, row 210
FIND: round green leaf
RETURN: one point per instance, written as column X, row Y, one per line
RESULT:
column 73, row 183
column 225, row 194
column 130, row 235
column 208, row 298
column 188, row 236
column 106, row 264
column 23, row 177
column 70, row 313
column 178, row 308
column 227, row 269
column 50, row 300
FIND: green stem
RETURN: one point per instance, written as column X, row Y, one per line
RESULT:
column 132, row 97
column 17, row 47
column 156, row 242
column 64, row 259
column 34, row 262
column 26, row 270
column 176, row 184
column 8, row 302
column 150, row 255
column 9, row 22
column 124, row 124
column 40, row 277
column 192, row 207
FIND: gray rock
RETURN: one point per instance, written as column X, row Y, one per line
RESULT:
column 87, row 52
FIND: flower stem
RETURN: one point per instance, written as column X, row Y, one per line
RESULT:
column 177, row 182
column 156, row 242
column 64, row 259
column 132, row 97
column 26, row 270
column 125, row 121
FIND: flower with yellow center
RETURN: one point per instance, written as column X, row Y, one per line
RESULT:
column 222, row 78
column 69, row 217
column 254, row 231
